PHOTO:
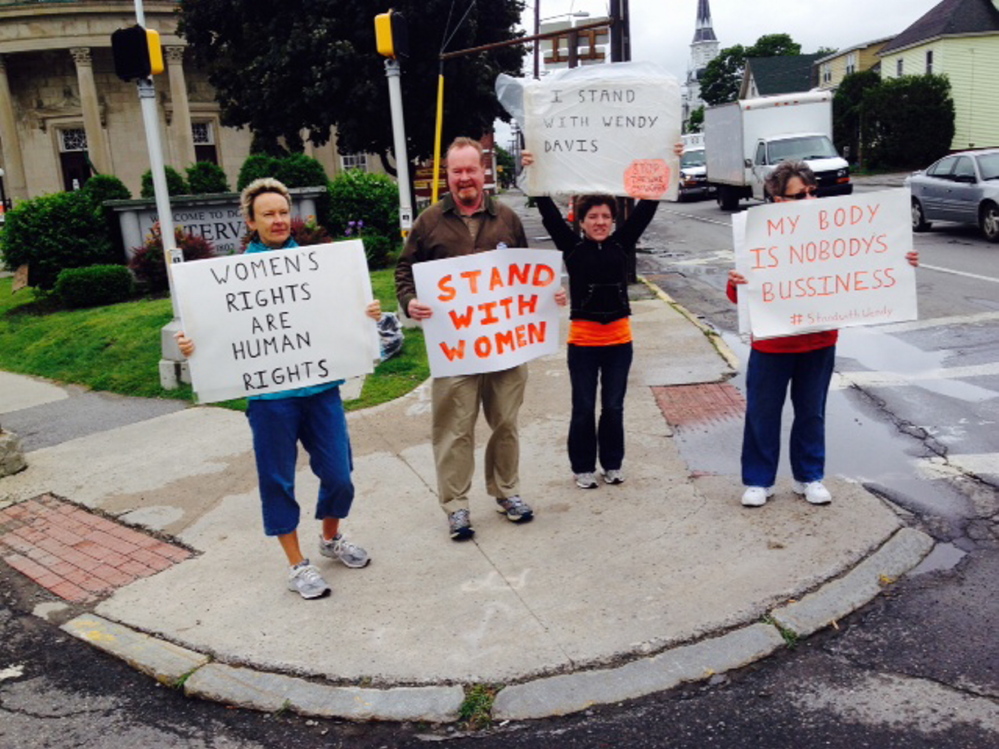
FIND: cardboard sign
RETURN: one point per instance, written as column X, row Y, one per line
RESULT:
column 816, row 265
column 491, row 310
column 272, row 321
column 604, row 129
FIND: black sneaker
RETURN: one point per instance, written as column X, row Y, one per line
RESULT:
column 460, row 525
column 515, row 509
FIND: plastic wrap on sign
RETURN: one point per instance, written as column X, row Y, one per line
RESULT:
column 599, row 128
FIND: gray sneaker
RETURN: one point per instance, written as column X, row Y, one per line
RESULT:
column 614, row 476
column 460, row 525
column 305, row 578
column 515, row 509
column 587, row 480
column 340, row 548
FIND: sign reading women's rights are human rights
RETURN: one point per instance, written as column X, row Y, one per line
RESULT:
column 270, row 321
column 491, row 310
column 814, row 265
column 603, row 128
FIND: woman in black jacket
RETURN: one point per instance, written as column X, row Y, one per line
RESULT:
column 600, row 341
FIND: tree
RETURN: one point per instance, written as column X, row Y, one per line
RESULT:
column 848, row 112
column 312, row 66
column 696, row 122
column 722, row 77
column 908, row 121
column 505, row 165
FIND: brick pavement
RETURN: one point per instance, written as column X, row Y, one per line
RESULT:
column 76, row 554
column 688, row 405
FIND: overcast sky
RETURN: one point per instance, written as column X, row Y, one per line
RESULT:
column 663, row 29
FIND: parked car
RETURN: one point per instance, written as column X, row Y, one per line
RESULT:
column 693, row 174
column 961, row 187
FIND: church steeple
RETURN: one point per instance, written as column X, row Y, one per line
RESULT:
column 704, row 47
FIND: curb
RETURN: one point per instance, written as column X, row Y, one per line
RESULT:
column 544, row 697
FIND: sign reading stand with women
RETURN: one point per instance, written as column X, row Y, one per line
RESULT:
column 271, row 321
column 604, row 129
column 814, row 265
column 491, row 310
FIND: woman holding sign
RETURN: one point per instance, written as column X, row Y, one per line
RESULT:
column 805, row 362
column 600, row 342
column 313, row 415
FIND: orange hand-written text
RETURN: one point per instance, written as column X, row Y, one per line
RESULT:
column 525, row 273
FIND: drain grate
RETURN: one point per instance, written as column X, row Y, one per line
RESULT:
column 76, row 554
column 689, row 405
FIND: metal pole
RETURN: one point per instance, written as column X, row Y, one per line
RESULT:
column 537, row 42
column 393, row 73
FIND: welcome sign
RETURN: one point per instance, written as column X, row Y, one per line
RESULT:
column 491, row 310
column 815, row 265
column 271, row 321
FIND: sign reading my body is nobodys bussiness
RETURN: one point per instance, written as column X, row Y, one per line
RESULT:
column 271, row 321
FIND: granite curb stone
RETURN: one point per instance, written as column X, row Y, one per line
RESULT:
column 270, row 692
column 838, row 598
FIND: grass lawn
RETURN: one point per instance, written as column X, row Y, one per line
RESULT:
column 117, row 348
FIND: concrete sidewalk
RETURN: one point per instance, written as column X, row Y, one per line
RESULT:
column 607, row 595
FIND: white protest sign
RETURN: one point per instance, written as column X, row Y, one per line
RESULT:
column 604, row 129
column 270, row 321
column 491, row 310
column 816, row 265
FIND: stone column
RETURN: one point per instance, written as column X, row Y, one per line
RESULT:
column 96, row 145
column 15, row 182
column 183, row 138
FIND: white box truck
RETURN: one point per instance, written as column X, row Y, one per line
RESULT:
column 744, row 140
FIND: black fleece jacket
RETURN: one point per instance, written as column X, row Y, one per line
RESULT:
column 598, row 271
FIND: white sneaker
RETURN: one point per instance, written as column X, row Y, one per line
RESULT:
column 586, row 480
column 614, row 476
column 305, row 579
column 814, row 492
column 756, row 496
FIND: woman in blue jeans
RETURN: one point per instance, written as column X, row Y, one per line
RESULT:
column 311, row 415
column 600, row 347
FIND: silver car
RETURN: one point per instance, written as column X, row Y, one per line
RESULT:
column 962, row 187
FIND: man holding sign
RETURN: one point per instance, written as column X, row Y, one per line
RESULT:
column 804, row 362
column 463, row 222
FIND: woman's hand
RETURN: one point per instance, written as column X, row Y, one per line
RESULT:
column 374, row 310
column 526, row 158
column 561, row 298
column 735, row 277
column 913, row 257
column 185, row 344
column 678, row 148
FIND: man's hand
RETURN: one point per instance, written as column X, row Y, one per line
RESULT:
column 418, row 310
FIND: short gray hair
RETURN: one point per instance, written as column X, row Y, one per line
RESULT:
column 776, row 181
column 259, row 187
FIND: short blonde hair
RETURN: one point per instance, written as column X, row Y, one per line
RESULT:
column 258, row 187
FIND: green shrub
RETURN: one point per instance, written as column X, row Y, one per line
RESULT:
column 103, row 187
column 94, row 286
column 257, row 165
column 299, row 170
column 907, row 122
column 358, row 196
column 147, row 261
column 380, row 250
column 308, row 232
column 176, row 185
column 54, row 232
column 205, row 178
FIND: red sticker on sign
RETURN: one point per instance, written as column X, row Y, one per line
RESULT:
column 648, row 179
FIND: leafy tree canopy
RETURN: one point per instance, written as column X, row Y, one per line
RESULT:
column 696, row 122
column 310, row 65
column 722, row 76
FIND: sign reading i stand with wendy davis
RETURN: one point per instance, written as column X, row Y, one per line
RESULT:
column 270, row 321
column 604, row 128
column 814, row 265
column 491, row 310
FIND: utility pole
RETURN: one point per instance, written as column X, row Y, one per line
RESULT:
column 392, row 42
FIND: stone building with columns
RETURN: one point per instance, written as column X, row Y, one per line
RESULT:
column 64, row 114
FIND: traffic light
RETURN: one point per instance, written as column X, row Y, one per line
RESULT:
column 137, row 53
column 391, row 35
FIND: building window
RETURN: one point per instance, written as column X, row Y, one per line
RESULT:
column 354, row 161
column 826, row 72
column 899, row 66
column 73, row 157
column 204, row 142
column 929, row 62
column 851, row 63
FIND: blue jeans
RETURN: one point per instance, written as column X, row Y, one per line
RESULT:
column 318, row 421
column 767, row 379
column 587, row 365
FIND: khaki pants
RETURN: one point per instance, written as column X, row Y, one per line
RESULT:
column 455, row 403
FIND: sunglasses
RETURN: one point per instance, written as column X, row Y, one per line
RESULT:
column 801, row 195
